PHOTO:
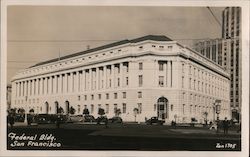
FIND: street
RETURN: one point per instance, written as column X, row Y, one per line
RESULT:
column 120, row 137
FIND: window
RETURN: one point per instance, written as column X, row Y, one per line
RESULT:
column 140, row 80
column 107, row 96
column 124, row 95
column 126, row 81
column 183, row 111
column 161, row 81
column 161, row 47
column 172, row 107
column 170, row 47
column 139, row 94
column 161, row 68
column 107, row 108
column 99, row 96
column 115, row 95
column 85, row 97
column 139, row 108
column 123, row 108
column 92, row 97
column 140, row 66
column 118, row 82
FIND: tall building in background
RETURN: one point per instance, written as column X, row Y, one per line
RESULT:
column 217, row 50
column 231, row 29
column 227, row 53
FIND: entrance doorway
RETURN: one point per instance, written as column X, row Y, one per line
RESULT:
column 46, row 107
column 162, row 108
column 67, row 107
column 56, row 107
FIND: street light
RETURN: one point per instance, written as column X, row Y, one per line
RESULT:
column 217, row 110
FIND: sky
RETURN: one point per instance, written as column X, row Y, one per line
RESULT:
column 39, row 33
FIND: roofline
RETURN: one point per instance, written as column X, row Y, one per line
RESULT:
column 111, row 45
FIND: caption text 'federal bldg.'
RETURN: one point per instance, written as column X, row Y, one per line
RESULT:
column 154, row 74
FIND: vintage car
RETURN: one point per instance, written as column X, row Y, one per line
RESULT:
column 154, row 120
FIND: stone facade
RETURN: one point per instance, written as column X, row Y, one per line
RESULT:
column 154, row 74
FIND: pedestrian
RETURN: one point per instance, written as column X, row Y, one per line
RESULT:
column 225, row 125
column 29, row 119
column 106, row 122
column 58, row 120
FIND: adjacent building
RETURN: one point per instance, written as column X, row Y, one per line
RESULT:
column 227, row 53
column 153, row 74
column 232, row 30
column 217, row 50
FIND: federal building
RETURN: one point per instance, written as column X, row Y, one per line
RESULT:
column 153, row 74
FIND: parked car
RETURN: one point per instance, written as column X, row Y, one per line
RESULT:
column 102, row 120
column 19, row 117
column 154, row 120
column 89, row 118
column 50, row 118
column 75, row 118
column 42, row 119
column 115, row 120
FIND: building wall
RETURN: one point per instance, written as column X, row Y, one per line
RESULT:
column 190, row 83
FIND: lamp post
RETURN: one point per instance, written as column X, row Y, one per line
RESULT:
column 26, row 111
column 217, row 110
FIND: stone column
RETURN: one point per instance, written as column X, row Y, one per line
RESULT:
column 83, row 80
column 77, row 82
column 16, row 85
column 65, row 83
column 59, row 84
column 50, row 84
column 37, row 86
column 79, row 86
column 46, row 86
column 90, row 79
column 112, row 76
column 169, row 73
column 25, row 88
column 28, row 89
column 104, row 77
column 97, row 78
column 165, row 74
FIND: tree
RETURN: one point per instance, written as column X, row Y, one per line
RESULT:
column 101, row 111
column 117, row 112
column 136, row 111
column 72, row 110
column 60, row 110
column 31, row 110
column 21, row 111
column 85, row 111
